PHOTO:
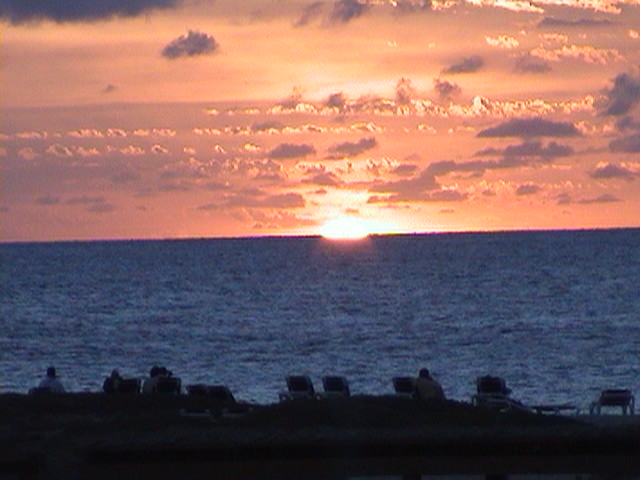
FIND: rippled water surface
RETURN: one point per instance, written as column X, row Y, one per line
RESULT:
column 555, row 313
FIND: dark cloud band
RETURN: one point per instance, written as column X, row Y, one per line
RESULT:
column 21, row 11
column 190, row 45
column 468, row 65
column 531, row 127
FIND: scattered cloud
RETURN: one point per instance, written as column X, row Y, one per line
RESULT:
column 606, row 171
column 527, row 189
column 627, row 123
column 554, row 38
column 192, row 44
column 506, row 42
column 310, row 13
column 409, row 6
column 101, row 208
column 346, row 10
column 404, row 170
column 292, row 150
column 628, row 144
column 446, row 89
column 624, row 96
column 258, row 199
column 467, row 65
column 21, row 11
column 585, row 53
column 85, row 200
column 605, row 198
column 532, row 64
column 531, row 127
column 60, row 151
column 352, row 149
column 530, row 148
column 279, row 220
column 28, row 153
column 323, row 179
column 512, row 5
column 405, row 92
column 406, row 190
column 444, row 167
column 439, row 195
column 109, row 88
column 125, row 177
column 552, row 22
column 48, row 200
column 425, row 181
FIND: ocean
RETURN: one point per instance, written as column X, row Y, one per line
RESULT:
column 557, row 314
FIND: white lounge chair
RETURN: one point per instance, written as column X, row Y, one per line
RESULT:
column 335, row 386
column 622, row 398
column 404, row 386
column 299, row 387
column 493, row 392
column 168, row 385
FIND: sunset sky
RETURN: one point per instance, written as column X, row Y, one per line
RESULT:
column 199, row 118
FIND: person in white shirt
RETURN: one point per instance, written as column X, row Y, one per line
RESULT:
column 52, row 382
column 427, row 388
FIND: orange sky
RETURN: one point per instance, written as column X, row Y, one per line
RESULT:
column 171, row 119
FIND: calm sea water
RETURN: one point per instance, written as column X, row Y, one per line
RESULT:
column 557, row 314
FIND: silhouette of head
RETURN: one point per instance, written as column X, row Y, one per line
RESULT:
column 424, row 373
column 51, row 372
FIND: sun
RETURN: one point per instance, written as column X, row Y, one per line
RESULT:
column 352, row 228
column 345, row 229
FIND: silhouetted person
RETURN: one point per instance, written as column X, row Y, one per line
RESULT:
column 155, row 375
column 51, row 382
column 112, row 382
column 427, row 388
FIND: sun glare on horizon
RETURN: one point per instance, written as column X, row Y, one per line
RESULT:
column 351, row 228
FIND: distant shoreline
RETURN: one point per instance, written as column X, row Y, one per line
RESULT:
column 514, row 231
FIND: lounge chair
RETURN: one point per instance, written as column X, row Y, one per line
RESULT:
column 404, row 386
column 168, row 385
column 128, row 386
column 335, row 386
column 299, row 387
column 198, row 390
column 493, row 392
column 622, row 398
column 219, row 393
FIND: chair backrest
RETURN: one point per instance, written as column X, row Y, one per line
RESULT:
column 221, row 393
column 336, row 385
column 129, row 386
column 491, row 385
column 404, row 385
column 300, row 386
column 199, row 390
column 615, row 397
column 168, row 385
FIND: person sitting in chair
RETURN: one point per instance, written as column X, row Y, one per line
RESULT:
column 156, row 373
column 112, row 382
column 51, row 382
column 427, row 388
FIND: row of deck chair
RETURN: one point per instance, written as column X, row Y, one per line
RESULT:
column 301, row 387
column 493, row 392
column 132, row 386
